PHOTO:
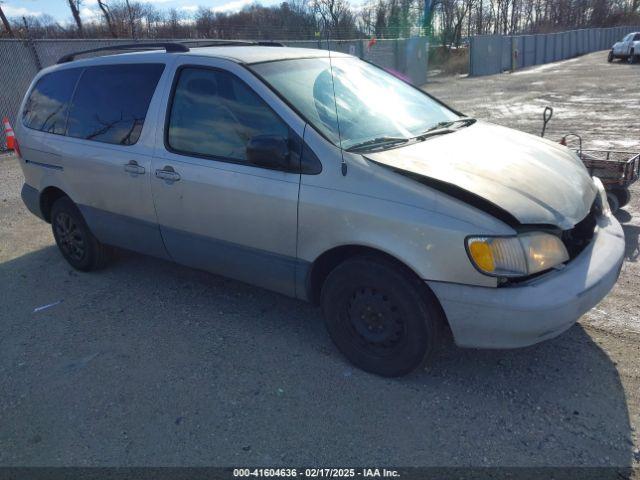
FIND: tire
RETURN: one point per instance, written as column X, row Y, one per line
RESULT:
column 614, row 204
column 610, row 57
column 381, row 317
column 633, row 58
column 77, row 244
column 623, row 195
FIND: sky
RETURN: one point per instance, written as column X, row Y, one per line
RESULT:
column 59, row 9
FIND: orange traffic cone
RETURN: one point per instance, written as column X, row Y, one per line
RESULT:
column 8, row 133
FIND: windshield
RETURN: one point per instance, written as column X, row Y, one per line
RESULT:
column 372, row 105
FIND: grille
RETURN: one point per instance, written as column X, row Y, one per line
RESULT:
column 577, row 238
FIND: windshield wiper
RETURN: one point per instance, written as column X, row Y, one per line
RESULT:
column 465, row 121
column 442, row 128
column 376, row 142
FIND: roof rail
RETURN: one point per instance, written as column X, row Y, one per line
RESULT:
column 270, row 44
column 168, row 46
column 231, row 43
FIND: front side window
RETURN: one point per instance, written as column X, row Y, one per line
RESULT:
column 214, row 114
column 111, row 102
column 48, row 104
column 637, row 37
column 351, row 101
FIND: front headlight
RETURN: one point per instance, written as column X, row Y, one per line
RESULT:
column 516, row 256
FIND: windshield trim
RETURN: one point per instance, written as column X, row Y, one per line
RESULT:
column 248, row 67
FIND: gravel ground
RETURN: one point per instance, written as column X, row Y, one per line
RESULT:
column 150, row 363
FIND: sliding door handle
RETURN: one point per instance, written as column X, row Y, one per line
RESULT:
column 168, row 173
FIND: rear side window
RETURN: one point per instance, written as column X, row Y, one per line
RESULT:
column 215, row 114
column 47, row 106
column 111, row 102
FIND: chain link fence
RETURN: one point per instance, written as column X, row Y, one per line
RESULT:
column 498, row 53
column 20, row 61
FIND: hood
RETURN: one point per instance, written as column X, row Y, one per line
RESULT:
column 535, row 180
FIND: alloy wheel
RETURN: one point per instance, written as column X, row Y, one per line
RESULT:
column 70, row 236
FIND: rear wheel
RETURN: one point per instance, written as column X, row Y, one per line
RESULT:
column 380, row 316
column 77, row 244
column 633, row 58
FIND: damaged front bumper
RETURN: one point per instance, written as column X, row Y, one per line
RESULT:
column 542, row 308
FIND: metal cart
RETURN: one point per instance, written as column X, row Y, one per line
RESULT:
column 617, row 169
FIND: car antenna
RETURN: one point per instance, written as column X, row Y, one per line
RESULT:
column 343, row 163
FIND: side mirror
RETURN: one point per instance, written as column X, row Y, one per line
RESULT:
column 268, row 151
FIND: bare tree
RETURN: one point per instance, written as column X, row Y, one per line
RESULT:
column 132, row 24
column 5, row 22
column 107, row 17
column 336, row 17
column 75, row 5
column 449, row 21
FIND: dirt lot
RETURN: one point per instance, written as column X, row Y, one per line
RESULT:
column 149, row 363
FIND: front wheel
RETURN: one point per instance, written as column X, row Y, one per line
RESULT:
column 610, row 56
column 633, row 58
column 381, row 317
column 77, row 244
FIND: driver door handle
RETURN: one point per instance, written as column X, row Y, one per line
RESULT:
column 168, row 173
column 133, row 167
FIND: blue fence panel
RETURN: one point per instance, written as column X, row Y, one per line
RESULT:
column 549, row 48
column 566, row 45
column 557, row 54
column 520, row 50
column 506, row 45
column 494, row 53
column 541, row 48
column 487, row 57
column 528, row 50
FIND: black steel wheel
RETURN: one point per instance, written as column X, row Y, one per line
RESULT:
column 623, row 196
column 77, row 244
column 380, row 316
column 376, row 323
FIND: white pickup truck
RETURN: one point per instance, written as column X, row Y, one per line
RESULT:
column 628, row 49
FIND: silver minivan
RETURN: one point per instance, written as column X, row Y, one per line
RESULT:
column 325, row 178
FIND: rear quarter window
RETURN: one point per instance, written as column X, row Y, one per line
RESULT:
column 111, row 102
column 48, row 103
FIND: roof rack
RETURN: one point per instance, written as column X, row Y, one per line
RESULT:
column 168, row 46
column 232, row 43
